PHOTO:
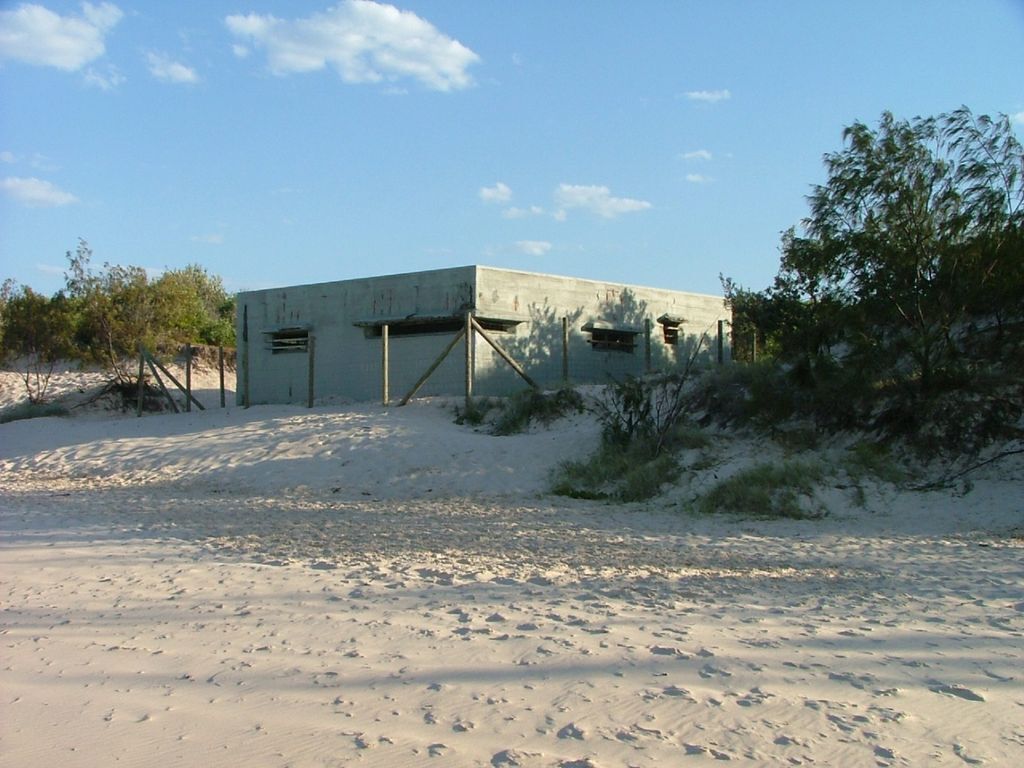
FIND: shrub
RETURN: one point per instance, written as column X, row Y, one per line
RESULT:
column 617, row 474
column 869, row 459
column 766, row 490
column 474, row 412
column 531, row 405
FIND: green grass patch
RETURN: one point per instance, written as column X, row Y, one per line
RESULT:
column 873, row 460
column 616, row 473
column 766, row 491
column 531, row 405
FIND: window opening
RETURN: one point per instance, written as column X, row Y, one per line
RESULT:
column 611, row 339
column 670, row 328
column 285, row 340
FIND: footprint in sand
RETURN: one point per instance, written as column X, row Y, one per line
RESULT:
column 958, row 691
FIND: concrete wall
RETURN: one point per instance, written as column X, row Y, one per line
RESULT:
column 525, row 310
column 542, row 300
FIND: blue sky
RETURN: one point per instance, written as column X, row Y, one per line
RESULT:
column 275, row 143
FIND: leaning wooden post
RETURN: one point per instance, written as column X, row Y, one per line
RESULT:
column 469, row 359
column 220, row 366
column 142, row 373
column 503, row 354
column 433, row 367
column 565, row 351
column 721, row 341
column 312, row 370
column 188, row 378
column 160, row 382
column 385, row 395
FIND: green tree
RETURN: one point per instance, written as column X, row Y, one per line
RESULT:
column 194, row 307
column 37, row 330
column 116, row 312
column 911, row 262
column 917, row 224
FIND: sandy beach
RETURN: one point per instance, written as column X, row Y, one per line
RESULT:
column 359, row 585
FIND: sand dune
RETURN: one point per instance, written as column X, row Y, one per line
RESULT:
column 353, row 585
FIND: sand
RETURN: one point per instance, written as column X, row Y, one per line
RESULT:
column 359, row 585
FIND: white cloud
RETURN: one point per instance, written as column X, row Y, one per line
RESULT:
column 697, row 154
column 366, row 42
column 709, row 97
column 698, row 178
column 7, row 157
column 499, row 193
column 35, row 192
column 522, row 213
column 33, row 34
column 533, row 247
column 164, row 68
column 1018, row 118
column 105, row 80
column 596, row 199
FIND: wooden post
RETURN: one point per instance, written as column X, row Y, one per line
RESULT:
column 721, row 341
column 245, row 357
column 504, row 355
column 188, row 378
column 160, row 383
column 647, row 344
column 312, row 370
column 469, row 359
column 384, row 365
column 565, row 351
column 220, row 366
column 142, row 373
column 153, row 362
column 434, row 366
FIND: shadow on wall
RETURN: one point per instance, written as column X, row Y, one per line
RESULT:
column 540, row 352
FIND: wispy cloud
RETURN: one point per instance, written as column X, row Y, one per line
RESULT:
column 33, row 34
column 7, row 157
column 499, row 193
column 35, row 192
column 164, row 68
column 698, row 178
column 697, row 154
column 709, row 97
column 106, row 79
column 1018, row 118
column 596, row 199
column 522, row 213
column 534, row 247
column 366, row 42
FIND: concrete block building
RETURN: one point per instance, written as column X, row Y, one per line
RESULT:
column 386, row 337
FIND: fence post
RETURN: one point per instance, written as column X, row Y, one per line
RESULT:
column 312, row 370
column 565, row 351
column 469, row 359
column 220, row 366
column 384, row 365
column 245, row 357
column 647, row 344
column 142, row 373
column 188, row 378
